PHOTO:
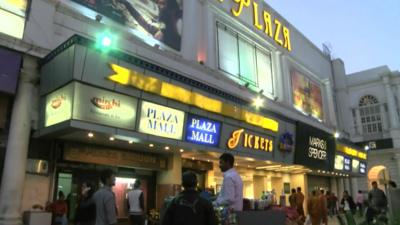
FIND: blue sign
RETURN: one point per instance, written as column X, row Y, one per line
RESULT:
column 347, row 163
column 202, row 131
column 363, row 168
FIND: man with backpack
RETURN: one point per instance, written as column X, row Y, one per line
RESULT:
column 188, row 208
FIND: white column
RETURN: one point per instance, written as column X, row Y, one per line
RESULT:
column 354, row 187
column 331, row 106
column 347, row 185
column 340, row 188
column 385, row 125
column 394, row 118
column 12, row 185
column 334, row 186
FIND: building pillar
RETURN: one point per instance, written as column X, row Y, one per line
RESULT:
column 12, row 184
column 169, row 181
column 385, row 125
column 347, row 185
column 394, row 119
column 354, row 186
column 334, row 185
column 340, row 188
column 331, row 105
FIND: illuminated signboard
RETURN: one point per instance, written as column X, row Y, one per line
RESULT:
column 355, row 166
column 251, row 141
column 202, row 131
column 350, row 151
column 161, row 121
column 347, row 163
column 104, row 107
column 264, row 21
column 315, row 148
column 12, row 17
column 59, row 106
column 363, row 168
column 339, row 162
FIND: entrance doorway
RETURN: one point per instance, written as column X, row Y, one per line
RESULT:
column 380, row 174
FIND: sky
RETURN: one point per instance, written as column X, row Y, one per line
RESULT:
column 363, row 33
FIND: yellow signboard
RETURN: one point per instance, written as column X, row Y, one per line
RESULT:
column 153, row 85
column 351, row 151
column 161, row 121
column 252, row 141
column 263, row 21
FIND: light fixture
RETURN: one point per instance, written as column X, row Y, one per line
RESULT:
column 90, row 135
column 112, row 138
column 366, row 148
column 258, row 102
column 166, row 148
column 261, row 91
column 193, row 158
column 130, row 142
column 247, row 84
column 319, row 171
column 99, row 17
column 236, row 164
column 181, row 150
column 151, row 145
column 336, row 135
column 208, row 160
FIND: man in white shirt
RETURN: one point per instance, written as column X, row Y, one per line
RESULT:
column 231, row 194
column 136, row 204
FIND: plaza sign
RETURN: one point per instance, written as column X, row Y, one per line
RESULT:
column 202, row 131
column 263, row 21
column 161, row 121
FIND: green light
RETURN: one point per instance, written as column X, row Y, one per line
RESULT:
column 106, row 41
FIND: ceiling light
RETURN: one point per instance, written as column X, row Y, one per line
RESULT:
column 193, row 158
column 336, row 135
column 258, row 102
column 181, row 150
column 166, row 148
column 236, row 164
column 366, row 148
column 208, row 160
column 151, row 145
column 90, row 135
column 268, row 167
column 112, row 138
column 130, row 142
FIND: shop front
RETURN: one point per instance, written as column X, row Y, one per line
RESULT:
column 130, row 119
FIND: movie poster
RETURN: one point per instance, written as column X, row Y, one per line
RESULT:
column 307, row 95
column 157, row 19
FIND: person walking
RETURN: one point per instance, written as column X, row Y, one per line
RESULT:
column 332, row 203
column 314, row 206
column 60, row 210
column 324, row 207
column 347, row 203
column 104, row 198
column 300, row 202
column 292, row 198
column 86, row 210
column 377, row 201
column 360, row 202
column 231, row 194
column 188, row 208
column 136, row 204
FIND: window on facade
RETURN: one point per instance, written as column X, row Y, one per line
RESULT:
column 370, row 115
column 244, row 60
column 307, row 95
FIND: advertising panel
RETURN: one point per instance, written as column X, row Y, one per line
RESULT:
column 339, row 162
column 307, row 96
column 59, row 105
column 104, row 107
column 12, row 17
column 347, row 164
column 159, row 20
column 17, row 7
column 363, row 167
column 246, row 140
column 314, row 148
column 161, row 121
column 10, row 64
column 202, row 131
column 355, row 166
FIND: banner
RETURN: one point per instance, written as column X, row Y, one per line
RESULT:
column 307, row 95
column 157, row 19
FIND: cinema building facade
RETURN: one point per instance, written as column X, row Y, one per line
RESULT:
column 153, row 96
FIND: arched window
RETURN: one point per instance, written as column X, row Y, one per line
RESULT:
column 370, row 113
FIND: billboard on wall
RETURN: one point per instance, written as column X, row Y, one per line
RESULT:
column 157, row 19
column 12, row 17
column 307, row 96
column 315, row 148
column 59, row 105
column 203, row 131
